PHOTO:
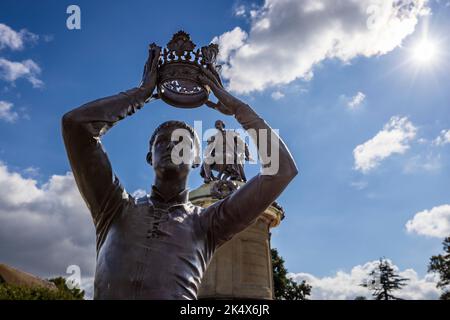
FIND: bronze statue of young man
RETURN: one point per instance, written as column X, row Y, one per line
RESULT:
column 158, row 247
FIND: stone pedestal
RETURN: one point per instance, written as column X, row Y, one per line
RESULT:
column 242, row 267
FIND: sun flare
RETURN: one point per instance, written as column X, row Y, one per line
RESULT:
column 425, row 52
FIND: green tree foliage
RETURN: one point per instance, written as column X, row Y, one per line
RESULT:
column 284, row 287
column 383, row 280
column 441, row 265
column 14, row 292
column 75, row 292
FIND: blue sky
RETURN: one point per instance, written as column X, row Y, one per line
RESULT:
column 337, row 217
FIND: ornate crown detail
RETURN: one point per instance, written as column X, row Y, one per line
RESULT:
column 179, row 67
column 181, row 42
column 181, row 49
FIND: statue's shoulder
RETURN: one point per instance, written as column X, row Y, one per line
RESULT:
column 197, row 211
column 193, row 209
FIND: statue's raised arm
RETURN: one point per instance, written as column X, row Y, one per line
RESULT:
column 82, row 129
column 236, row 212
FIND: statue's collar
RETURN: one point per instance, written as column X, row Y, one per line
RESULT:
column 158, row 198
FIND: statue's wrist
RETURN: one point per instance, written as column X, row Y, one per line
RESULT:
column 144, row 93
column 137, row 95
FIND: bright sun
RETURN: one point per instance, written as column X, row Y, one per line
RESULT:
column 425, row 52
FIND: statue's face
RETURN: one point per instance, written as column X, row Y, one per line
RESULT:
column 173, row 158
column 219, row 125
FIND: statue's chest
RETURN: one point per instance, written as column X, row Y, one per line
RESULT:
column 153, row 226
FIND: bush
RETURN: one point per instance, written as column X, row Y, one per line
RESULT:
column 15, row 292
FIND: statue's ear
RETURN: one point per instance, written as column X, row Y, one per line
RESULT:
column 149, row 158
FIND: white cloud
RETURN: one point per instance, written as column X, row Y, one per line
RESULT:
column 10, row 71
column 31, row 172
column 287, row 38
column 359, row 185
column 429, row 162
column 44, row 229
column 48, row 37
column 443, row 138
column 139, row 193
column 14, row 40
column 240, row 11
column 277, row 95
column 229, row 42
column 356, row 100
column 6, row 112
column 432, row 223
column 346, row 285
column 87, row 284
column 393, row 139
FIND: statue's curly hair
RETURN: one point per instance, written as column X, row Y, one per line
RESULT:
column 175, row 124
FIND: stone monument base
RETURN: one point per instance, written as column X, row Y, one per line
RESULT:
column 242, row 267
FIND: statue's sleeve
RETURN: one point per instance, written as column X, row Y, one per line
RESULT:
column 82, row 129
column 227, row 217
